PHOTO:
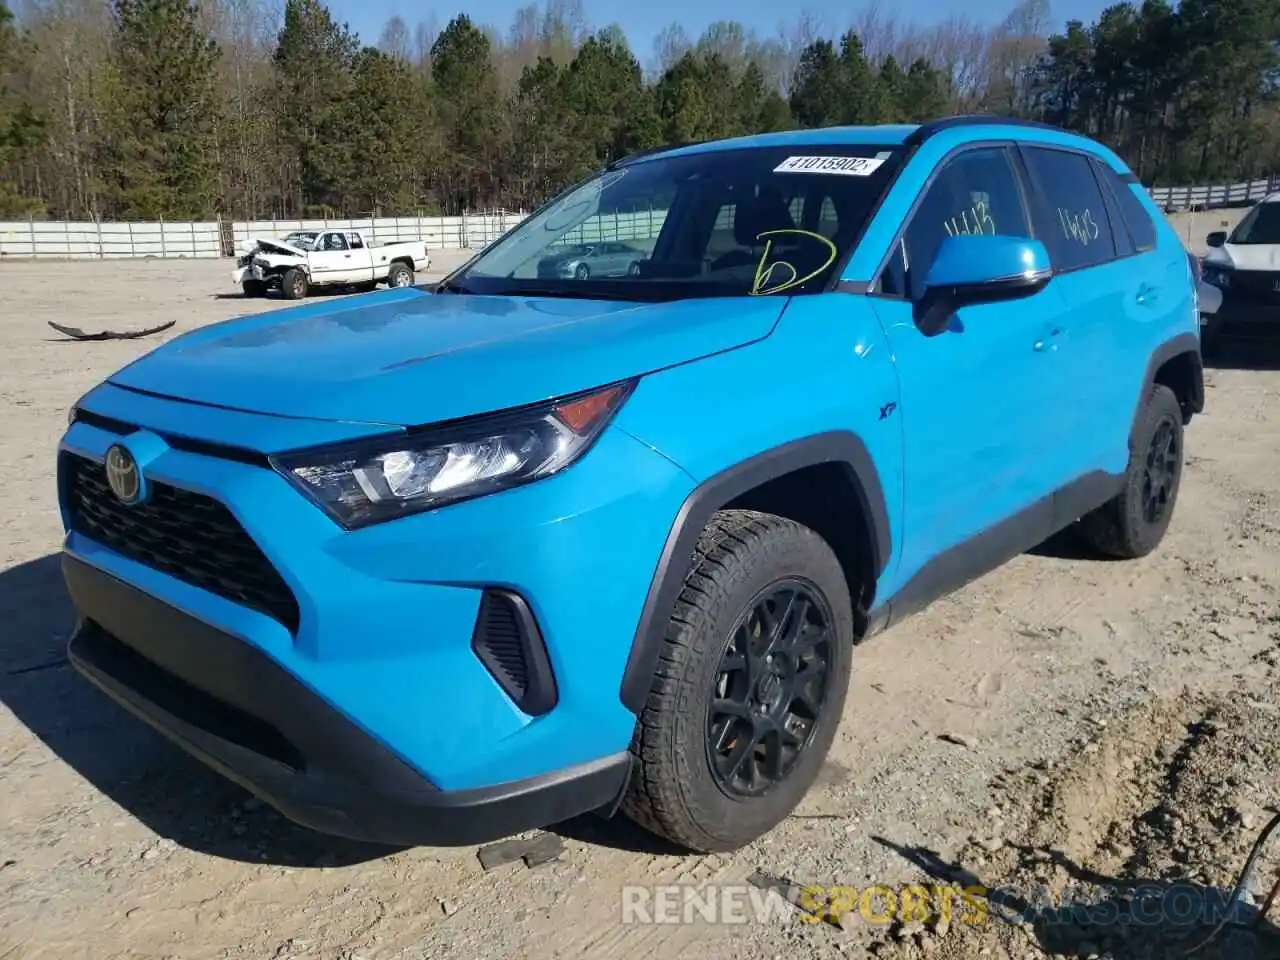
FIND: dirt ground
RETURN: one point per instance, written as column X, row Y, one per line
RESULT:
column 1062, row 721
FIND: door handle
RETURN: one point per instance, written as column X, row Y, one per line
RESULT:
column 347, row 255
column 1047, row 340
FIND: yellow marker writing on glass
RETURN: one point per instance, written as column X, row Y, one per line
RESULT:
column 760, row 287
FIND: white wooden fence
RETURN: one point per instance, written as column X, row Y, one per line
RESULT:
column 1217, row 195
column 91, row 240
column 95, row 240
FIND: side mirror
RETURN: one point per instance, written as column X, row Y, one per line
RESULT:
column 1216, row 239
column 979, row 268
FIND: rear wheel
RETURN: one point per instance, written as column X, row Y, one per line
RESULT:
column 293, row 284
column 1134, row 522
column 583, row 272
column 749, row 688
column 399, row 276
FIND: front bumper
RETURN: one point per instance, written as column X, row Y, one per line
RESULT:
column 242, row 714
column 381, row 623
column 250, row 271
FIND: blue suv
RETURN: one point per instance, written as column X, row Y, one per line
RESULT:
column 438, row 565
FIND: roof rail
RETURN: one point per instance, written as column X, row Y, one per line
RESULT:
column 641, row 154
column 926, row 130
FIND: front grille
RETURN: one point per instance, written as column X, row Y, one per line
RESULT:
column 189, row 536
column 1254, row 286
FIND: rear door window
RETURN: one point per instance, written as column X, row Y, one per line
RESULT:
column 1071, row 213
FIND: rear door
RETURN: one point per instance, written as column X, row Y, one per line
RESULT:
column 1117, row 290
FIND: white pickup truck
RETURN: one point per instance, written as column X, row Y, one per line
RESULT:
column 334, row 258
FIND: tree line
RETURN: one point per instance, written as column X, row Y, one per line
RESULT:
column 186, row 109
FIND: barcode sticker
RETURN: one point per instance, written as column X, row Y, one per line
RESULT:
column 842, row 166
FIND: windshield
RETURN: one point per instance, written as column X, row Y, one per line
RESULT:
column 746, row 222
column 301, row 240
column 1260, row 225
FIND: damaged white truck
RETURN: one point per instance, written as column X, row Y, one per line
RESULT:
column 332, row 258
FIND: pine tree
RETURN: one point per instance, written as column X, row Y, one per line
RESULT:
column 20, row 125
column 164, row 111
column 315, row 59
column 466, row 87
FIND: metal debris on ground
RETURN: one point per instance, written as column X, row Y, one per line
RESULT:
column 534, row 851
column 75, row 333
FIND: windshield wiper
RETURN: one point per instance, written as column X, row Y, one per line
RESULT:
column 451, row 286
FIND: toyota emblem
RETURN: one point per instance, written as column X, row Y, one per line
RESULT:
column 124, row 477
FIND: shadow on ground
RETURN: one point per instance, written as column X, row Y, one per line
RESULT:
column 173, row 794
column 1123, row 918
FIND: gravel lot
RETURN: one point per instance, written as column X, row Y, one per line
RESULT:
column 1122, row 715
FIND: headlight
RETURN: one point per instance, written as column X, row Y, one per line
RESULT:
column 1217, row 276
column 370, row 481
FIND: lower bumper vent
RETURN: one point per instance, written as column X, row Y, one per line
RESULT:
column 509, row 644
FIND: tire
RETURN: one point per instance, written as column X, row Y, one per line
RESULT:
column 293, row 284
column 399, row 276
column 633, row 268
column 1129, row 526
column 583, row 272
column 674, row 791
column 254, row 288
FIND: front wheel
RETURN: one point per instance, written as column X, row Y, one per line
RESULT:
column 1133, row 523
column 293, row 284
column 399, row 276
column 750, row 685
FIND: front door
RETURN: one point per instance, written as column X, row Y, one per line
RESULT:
column 981, row 402
column 330, row 259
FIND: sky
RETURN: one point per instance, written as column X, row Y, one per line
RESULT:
column 641, row 21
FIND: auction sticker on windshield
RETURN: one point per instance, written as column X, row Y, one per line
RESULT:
column 845, row 166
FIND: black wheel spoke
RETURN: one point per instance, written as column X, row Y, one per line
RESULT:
column 809, row 638
column 771, row 764
column 734, row 763
column 1161, row 472
column 730, row 708
column 790, row 738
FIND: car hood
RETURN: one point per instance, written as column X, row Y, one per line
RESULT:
column 1246, row 256
column 409, row 357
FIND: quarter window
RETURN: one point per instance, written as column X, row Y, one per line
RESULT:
column 976, row 192
column 1141, row 228
column 1076, row 228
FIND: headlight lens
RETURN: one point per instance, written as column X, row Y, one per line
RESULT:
column 1217, row 276
column 370, row 481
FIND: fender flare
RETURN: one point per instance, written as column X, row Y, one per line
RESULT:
column 1183, row 343
column 838, row 446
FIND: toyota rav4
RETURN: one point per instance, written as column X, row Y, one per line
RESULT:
column 438, row 565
